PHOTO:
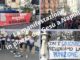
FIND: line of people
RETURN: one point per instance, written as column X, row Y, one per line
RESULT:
column 22, row 42
column 69, row 24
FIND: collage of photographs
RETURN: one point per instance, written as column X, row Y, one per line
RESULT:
column 39, row 29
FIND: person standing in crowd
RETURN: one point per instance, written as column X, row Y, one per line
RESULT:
column 3, row 42
column 8, row 40
column 0, row 42
column 78, row 22
column 26, row 42
column 15, row 42
column 22, row 43
column 12, row 39
column 37, row 13
column 31, row 43
column 33, row 15
column 74, row 23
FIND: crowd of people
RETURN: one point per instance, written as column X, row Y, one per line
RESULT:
column 20, row 42
column 74, row 23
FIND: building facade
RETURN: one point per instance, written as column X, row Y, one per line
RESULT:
column 69, row 6
column 65, row 6
column 73, row 4
column 49, row 6
column 13, row 3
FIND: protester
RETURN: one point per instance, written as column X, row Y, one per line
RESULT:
column 72, row 23
column 18, row 44
column 31, row 43
column 26, row 42
column 3, row 40
column 0, row 42
column 21, row 43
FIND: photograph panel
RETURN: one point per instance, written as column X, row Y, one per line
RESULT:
column 19, row 44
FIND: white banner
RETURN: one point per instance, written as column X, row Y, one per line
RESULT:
column 64, row 49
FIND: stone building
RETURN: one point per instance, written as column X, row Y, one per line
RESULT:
column 64, row 6
column 13, row 3
column 49, row 6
